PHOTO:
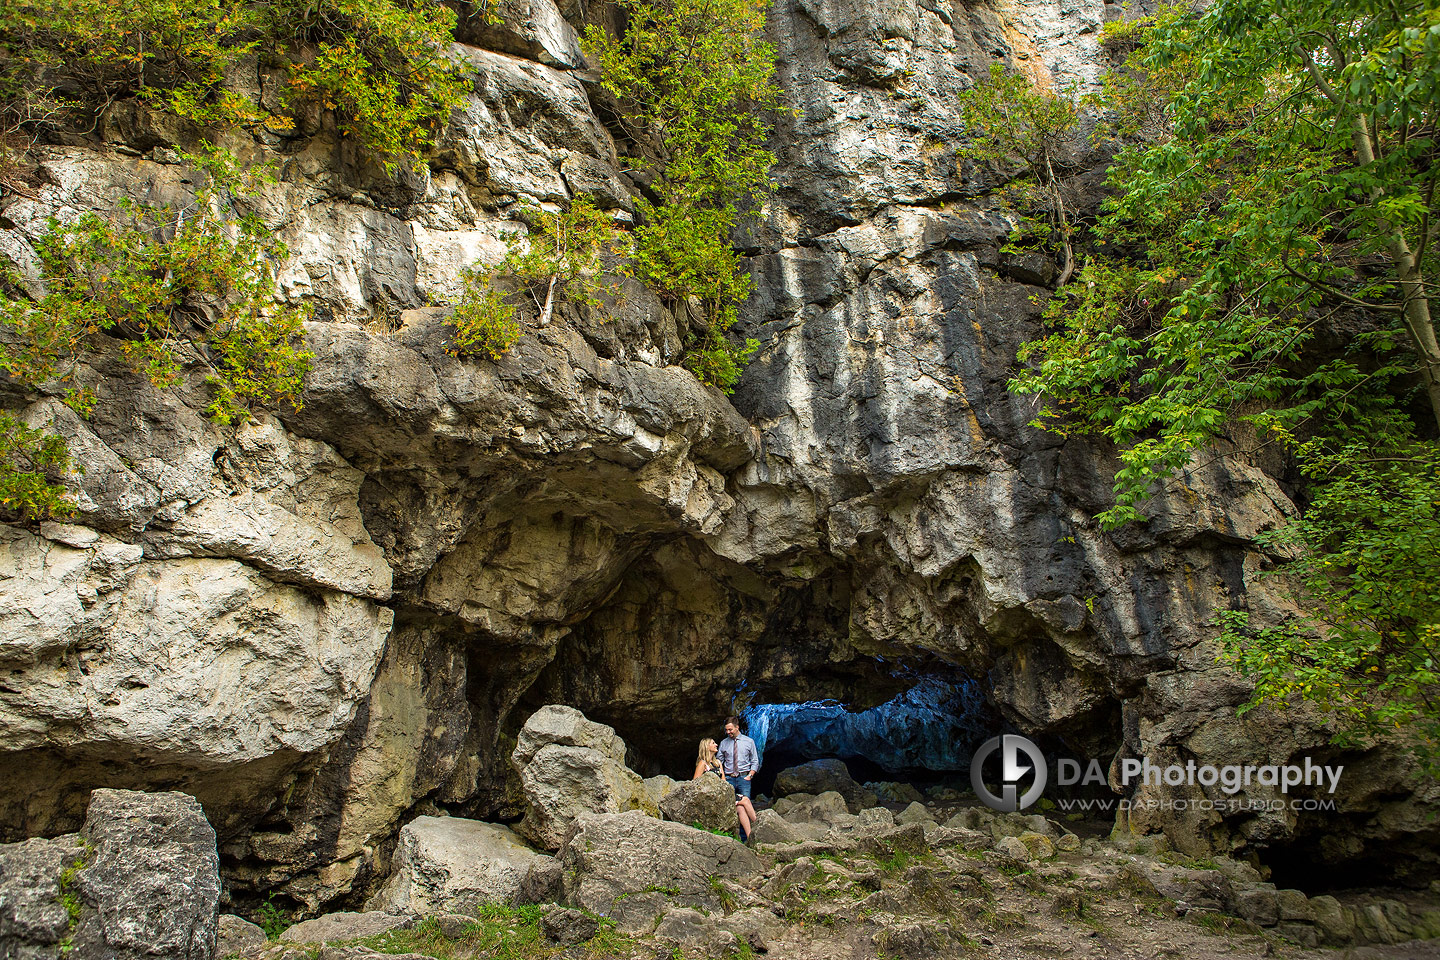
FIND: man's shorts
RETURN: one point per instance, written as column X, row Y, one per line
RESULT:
column 741, row 785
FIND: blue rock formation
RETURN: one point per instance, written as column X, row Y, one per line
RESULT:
column 936, row 726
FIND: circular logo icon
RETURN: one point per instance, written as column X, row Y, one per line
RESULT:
column 1014, row 750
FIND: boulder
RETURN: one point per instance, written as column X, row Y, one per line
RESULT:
column 630, row 866
column 772, row 828
column 1038, row 844
column 692, row 930
column 822, row 776
column 570, row 766
column 915, row 813
column 344, row 926
column 568, row 927
column 1012, row 847
column 236, row 935
column 824, row 809
column 1334, row 920
column 453, row 865
column 708, row 802
column 875, row 820
column 141, row 880
column 657, row 788
column 33, row 918
column 1258, row 905
column 151, row 884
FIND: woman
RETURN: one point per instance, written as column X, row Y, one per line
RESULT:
column 708, row 761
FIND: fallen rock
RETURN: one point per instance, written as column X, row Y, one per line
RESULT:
column 630, row 866
column 823, row 776
column 570, row 766
column 453, row 865
column 568, row 927
column 771, row 828
column 452, row 925
column 1013, row 848
column 1258, row 906
column 151, row 884
column 345, row 926
column 1039, row 845
column 915, row 813
column 896, row 792
column 693, row 930
column 708, row 802
column 823, row 809
column 33, row 919
column 1334, row 920
column 236, row 935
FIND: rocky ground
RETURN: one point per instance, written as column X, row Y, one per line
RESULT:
column 607, row 864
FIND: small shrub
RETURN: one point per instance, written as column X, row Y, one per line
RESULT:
column 382, row 66
column 485, row 325
column 32, row 468
column 569, row 256
column 698, row 77
column 271, row 918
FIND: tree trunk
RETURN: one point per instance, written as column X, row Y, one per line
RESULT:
column 1416, row 306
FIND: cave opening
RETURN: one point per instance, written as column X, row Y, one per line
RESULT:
column 924, row 735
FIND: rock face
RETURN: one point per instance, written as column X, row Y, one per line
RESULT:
column 570, row 766
column 452, row 865
column 141, row 880
column 328, row 620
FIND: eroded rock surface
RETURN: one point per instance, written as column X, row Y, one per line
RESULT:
column 141, row 879
column 624, row 865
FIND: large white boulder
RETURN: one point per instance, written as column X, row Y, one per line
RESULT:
column 570, row 766
column 453, row 865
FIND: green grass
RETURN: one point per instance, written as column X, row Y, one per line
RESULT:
column 724, row 894
column 500, row 933
column 69, row 898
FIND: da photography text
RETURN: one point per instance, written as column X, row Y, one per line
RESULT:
column 1025, row 772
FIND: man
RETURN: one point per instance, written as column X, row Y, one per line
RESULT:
column 739, row 761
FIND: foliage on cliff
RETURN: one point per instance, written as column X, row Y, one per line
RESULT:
column 569, row 255
column 695, row 82
column 1017, row 124
column 177, row 287
column 379, row 65
column 1271, row 261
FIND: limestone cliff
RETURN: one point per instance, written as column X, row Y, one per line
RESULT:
column 326, row 621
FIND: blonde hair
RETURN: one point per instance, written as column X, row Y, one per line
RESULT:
column 706, row 746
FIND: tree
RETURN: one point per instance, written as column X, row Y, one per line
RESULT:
column 569, row 256
column 695, row 82
column 1269, row 261
column 1016, row 123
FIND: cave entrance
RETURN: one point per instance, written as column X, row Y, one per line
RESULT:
column 925, row 735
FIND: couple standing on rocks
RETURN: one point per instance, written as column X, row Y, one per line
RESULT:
column 737, row 761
